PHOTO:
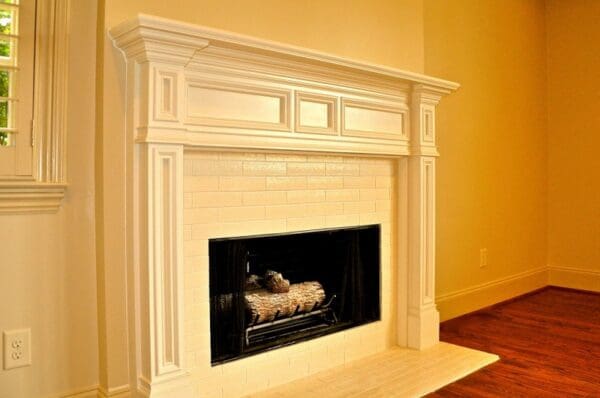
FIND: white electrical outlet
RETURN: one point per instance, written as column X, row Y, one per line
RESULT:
column 17, row 348
column 482, row 258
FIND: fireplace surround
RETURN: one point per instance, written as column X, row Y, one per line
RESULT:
column 255, row 115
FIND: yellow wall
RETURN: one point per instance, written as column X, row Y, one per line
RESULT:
column 574, row 135
column 47, row 269
column 492, row 139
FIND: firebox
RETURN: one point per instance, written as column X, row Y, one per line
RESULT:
column 273, row 290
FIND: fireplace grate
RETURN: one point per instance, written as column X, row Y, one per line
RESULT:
column 318, row 317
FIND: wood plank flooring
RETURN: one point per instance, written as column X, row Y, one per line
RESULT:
column 548, row 343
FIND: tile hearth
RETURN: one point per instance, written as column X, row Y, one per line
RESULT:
column 397, row 372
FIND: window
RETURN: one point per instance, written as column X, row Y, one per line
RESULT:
column 33, row 65
column 17, row 27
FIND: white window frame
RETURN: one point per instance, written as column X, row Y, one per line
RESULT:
column 44, row 189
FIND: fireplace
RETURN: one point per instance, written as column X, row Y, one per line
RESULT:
column 279, row 289
column 283, row 139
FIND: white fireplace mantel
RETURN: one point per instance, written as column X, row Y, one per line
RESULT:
column 193, row 87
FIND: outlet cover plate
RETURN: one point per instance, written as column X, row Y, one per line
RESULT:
column 17, row 348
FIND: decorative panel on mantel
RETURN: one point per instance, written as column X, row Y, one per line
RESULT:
column 256, row 107
column 292, row 114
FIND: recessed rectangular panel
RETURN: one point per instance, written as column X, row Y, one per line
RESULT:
column 165, row 95
column 372, row 120
column 428, row 124
column 314, row 114
column 232, row 106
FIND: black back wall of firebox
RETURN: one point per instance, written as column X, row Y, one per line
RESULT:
column 345, row 261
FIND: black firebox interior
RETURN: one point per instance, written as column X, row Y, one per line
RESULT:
column 345, row 262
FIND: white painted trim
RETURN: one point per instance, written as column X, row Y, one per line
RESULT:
column 574, row 278
column 43, row 190
column 264, row 140
column 423, row 317
column 95, row 391
column 284, row 96
column 331, row 118
column 50, row 96
column 424, row 101
column 189, row 35
column 402, row 242
column 85, row 392
column 165, row 259
column 401, row 110
column 30, row 197
column 463, row 301
column 251, row 69
column 115, row 392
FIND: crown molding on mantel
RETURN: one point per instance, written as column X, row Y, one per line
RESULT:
column 180, row 39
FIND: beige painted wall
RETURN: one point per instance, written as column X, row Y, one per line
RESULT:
column 492, row 138
column 47, row 267
column 574, row 136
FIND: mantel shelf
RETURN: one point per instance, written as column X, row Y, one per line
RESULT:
column 181, row 35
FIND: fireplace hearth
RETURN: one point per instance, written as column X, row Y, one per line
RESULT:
column 274, row 290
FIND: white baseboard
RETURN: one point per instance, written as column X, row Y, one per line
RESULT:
column 460, row 302
column 115, row 392
column 98, row 392
column 574, row 278
column 86, row 392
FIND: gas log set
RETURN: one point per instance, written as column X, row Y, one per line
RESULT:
column 278, row 299
column 274, row 290
column 276, row 305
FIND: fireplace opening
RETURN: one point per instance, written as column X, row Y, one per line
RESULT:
column 273, row 290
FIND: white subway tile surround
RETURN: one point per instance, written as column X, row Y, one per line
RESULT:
column 239, row 194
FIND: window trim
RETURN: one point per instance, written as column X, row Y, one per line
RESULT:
column 44, row 189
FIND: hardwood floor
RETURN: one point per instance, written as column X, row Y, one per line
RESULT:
column 548, row 343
